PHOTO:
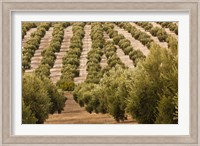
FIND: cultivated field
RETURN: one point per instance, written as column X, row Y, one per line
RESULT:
column 100, row 73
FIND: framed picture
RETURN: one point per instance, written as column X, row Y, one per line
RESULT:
column 106, row 72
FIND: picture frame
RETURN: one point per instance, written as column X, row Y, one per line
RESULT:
column 9, row 6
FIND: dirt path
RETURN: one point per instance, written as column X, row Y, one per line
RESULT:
column 83, row 58
column 27, row 36
column 103, row 62
column 155, row 39
column 74, row 114
column 124, row 58
column 137, row 45
column 45, row 41
column 56, row 70
column 166, row 29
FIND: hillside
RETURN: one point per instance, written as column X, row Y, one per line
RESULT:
column 109, row 72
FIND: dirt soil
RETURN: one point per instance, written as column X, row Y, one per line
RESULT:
column 56, row 70
column 155, row 39
column 124, row 58
column 74, row 114
column 87, row 43
column 135, row 43
column 166, row 29
column 36, row 59
column 27, row 36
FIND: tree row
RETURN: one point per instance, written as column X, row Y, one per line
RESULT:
column 40, row 97
column 71, row 60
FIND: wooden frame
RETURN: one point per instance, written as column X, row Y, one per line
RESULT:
column 7, row 6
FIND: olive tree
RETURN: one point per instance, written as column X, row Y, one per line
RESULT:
column 35, row 97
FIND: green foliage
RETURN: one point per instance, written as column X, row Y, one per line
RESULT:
column 166, row 109
column 51, row 100
column 26, row 26
column 136, row 33
column 127, row 50
column 40, row 32
column 173, row 45
column 55, row 45
column 154, row 79
column 36, row 101
column 147, row 26
column 44, row 25
column 148, row 92
column 97, row 35
column 93, row 77
column 48, row 60
column 33, row 44
column 48, row 52
column 110, row 52
column 34, row 41
column 27, row 115
column 124, row 43
column 136, row 56
column 172, row 26
column 71, row 60
column 56, row 96
column 92, row 66
column 116, row 80
column 43, row 70
column 25, row 62
column 145, row 40
column 117, row 38
column 100, row 98
column 95, row 54
column 160, row 33
column 168, row 105
column 66, row 82
column 175, row 114
column 82, row 93
column 155, row 31
column 71, row 69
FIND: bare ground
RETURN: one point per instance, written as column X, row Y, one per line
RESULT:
column 56, row 70
column 166, row 29
column 137, row 45
column 103, row 61
column 27, row 36
column 83, row 58
column 124, row 58
column 45, row 41
column 155, row 39
column 74, row 114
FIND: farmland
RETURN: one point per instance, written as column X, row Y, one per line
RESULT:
column 100, row 72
